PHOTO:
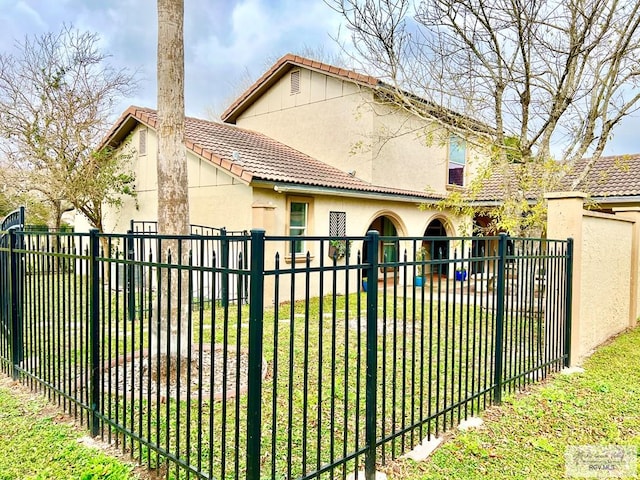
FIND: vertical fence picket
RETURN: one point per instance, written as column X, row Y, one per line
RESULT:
column 14, row 321
column 94, row 333
column 372, row 354
column 500, row 314
column 568, row 301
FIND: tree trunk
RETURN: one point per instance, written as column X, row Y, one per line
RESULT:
column 171, row 325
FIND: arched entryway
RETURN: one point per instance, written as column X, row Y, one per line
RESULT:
column 480, row 246
column 437, row 249
column 387, row 228
column 387, row 249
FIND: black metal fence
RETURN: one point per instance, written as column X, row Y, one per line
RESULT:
column 11, row 294
column 216, row 249
column 335, row 364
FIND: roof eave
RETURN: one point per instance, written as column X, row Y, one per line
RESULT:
column 298, row 188
column 633, row 198
column 124, row 126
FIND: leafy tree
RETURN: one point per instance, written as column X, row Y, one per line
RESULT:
column 103, row 181
column 57, row 92
column 541, row 74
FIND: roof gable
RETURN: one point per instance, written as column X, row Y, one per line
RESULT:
column 279, row 69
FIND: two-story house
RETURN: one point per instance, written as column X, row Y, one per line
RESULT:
column 309, row 149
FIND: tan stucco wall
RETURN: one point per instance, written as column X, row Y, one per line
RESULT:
column 338, row 123
column 606, row 274
column 604, row 270
column 633, row 214
column 414, row 153
column 406, row 216
column 215, row 198
column 327, row 120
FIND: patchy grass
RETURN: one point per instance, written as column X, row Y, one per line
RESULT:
column 39, row 443
column 527, row 436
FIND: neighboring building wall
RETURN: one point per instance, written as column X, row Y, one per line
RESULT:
column 605, row 270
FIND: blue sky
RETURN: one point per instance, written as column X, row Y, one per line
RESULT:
column 226, row 41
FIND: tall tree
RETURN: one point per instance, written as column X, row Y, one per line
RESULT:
column 544, row 74
column 57, row 93
column 173, row 194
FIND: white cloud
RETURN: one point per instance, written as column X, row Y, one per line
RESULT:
column 30, row 14
column 224, row 39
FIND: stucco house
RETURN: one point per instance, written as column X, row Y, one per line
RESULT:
column 309, row 149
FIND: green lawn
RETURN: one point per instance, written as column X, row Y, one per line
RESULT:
column 314, row 388
column 526, row 437
column 40, row 443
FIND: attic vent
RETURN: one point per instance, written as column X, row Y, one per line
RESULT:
column 142, row 141
column 295, row 82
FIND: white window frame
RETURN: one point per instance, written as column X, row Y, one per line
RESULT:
column 305, row 229
column 453, row 138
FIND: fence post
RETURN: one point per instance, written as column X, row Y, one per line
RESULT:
column 224, row 264
column 373, row 241
column 94, row 331
column 15, row 285
column 254, row 381
column 499, row 331
column 568, row 302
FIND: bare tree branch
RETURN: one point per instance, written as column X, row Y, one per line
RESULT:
column 57, row 93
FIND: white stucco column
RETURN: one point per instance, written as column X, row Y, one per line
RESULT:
column 564, row 220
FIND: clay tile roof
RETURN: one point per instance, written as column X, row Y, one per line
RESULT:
column 283, row 65
column 535, row 179
column 253, row 156
column 607, row 177
column 612, row 176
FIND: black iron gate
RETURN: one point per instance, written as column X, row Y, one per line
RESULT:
column 11, row 271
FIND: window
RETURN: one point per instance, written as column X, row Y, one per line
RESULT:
column 295, row 82
column 142, row 141
column 457, row 157
column 298, row 223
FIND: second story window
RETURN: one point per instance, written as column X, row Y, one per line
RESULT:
column 457, row 159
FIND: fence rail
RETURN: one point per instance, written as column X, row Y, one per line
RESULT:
column 333, row 361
